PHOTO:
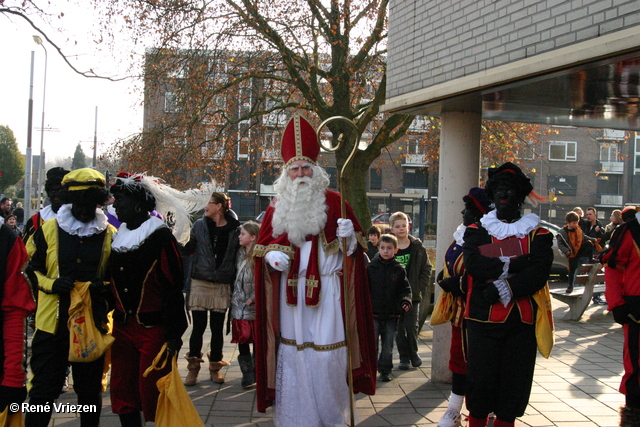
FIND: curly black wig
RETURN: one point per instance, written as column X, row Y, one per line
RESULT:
column 95, row 194
column 509, row 174
column 137, row 191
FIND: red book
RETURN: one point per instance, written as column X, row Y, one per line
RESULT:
column 508, row 247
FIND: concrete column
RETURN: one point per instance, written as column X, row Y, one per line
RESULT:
column 459, row 171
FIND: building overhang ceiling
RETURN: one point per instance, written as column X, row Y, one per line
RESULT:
column 601, row 92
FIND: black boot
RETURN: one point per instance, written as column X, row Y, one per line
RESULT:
column 248, row 373
column 132, row 419
column 629, row 417
column 39, row 418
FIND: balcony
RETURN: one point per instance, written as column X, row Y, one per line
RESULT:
column 613, row 134
column 270, row 155
column 274, row 119
column 612, row 167
column 267, row 190
column 611, row 200
column 414, row 160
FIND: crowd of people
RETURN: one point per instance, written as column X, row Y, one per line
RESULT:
column 313, row 305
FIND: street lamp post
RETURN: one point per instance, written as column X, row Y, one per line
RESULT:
column 27, row 175
column 38, row 40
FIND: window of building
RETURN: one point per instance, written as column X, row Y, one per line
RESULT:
column 170, row 102
column 244, row 136
column 608, row 184
column 562, row 151
column 609, row 152
column 375, row 179
column 269, row 173
column 562, row 185
column 413, row 147
column 415, row 178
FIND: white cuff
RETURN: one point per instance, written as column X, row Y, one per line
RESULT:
column 504, row 291
column 505, row 267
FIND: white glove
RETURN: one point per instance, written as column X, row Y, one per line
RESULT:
column 277, row 260
column 345, row 231
column 345, row 228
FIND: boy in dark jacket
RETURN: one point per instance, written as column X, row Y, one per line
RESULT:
column 390, row 299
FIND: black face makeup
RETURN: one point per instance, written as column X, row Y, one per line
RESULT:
column 507, row 201
column 83, row 212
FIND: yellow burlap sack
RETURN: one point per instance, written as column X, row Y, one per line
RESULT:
column 443, row 309
column 544, row 322
column 175, row 408
column 86, row 342
column 11, row 420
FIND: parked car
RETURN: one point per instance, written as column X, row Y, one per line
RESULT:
column 560, row 264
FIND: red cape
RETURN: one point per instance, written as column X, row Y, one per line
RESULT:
column 267, row 293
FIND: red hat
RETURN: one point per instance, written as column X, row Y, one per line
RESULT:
column 299, row 141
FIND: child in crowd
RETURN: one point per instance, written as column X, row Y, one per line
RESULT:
column 243, row 308
column 374, row 234
column 413, row 256
column 390, row 299
column 574, row 244
column 12, row 222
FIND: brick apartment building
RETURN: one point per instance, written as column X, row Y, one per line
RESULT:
column 249, row 150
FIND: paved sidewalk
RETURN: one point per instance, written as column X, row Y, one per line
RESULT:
column 575, row 387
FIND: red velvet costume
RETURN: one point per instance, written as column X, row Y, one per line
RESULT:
column 502, row 341
column 17, row 303
column 267, row 291
column 146, row 282
column 622, row 274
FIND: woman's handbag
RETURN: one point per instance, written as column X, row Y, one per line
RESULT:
column 175, row 408
column 443, row 309
column 86, row 342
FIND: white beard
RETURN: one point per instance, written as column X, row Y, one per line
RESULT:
column 300, row 209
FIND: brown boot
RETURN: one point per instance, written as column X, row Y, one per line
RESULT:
column 214, row 369
column 194, row 367
column 629, row 417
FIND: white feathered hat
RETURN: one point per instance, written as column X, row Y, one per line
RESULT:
column 174, row 206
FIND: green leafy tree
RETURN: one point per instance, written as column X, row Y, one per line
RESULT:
column 11, row 161
column 79, row 159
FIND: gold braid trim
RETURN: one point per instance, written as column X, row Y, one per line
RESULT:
column 327, row 347
column 261, row 250
column 329, row 248
column 362, row 239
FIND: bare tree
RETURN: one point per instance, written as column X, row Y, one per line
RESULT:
column 326, row 58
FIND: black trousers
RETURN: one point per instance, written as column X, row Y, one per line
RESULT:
column 500, row 367
column 49, row 361
column 216, row 323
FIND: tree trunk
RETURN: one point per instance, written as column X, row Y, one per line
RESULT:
column 355, row 191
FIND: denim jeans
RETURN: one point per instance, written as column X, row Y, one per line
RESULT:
column 386, row 330
column 407, row 336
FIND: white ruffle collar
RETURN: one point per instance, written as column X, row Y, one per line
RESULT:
column 125, row 240
column 458, row 235
column 501, row 230
column 68, row 223
column 47, row 213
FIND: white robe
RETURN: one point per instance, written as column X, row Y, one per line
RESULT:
column 311, row 385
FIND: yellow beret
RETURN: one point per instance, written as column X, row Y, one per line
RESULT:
column 81, row 179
